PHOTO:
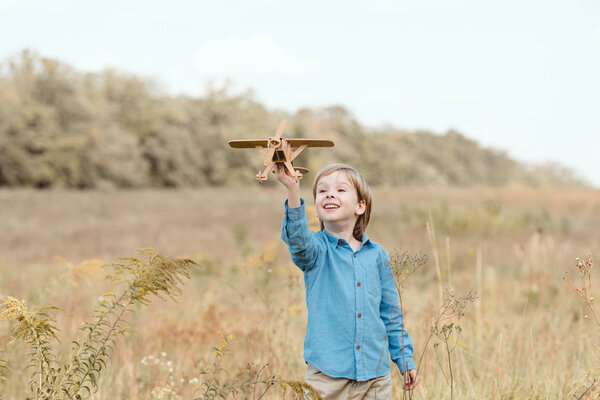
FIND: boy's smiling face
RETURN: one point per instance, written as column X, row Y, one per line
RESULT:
column 336, row 200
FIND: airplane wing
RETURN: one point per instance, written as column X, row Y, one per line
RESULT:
column 248, row 144
column 310, row 142
column 251, row 143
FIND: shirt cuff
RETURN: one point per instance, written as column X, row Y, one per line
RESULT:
column 408, row 362
column 294, row 213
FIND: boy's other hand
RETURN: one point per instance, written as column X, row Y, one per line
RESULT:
column 285, row 176
column 410, row 379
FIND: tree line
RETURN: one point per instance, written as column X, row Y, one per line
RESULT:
column 63, row 128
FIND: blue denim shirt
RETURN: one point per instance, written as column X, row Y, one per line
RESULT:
column 352, row 303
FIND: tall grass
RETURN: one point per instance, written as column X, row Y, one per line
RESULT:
column 79, row 376
column 251, row 291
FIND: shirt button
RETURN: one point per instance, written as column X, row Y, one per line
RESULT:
column 358, row 284
column 357, row 347
column 359, row 315
column 354, row 255
column 340, row 241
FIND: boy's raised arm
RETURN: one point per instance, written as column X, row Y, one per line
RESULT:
column 293, row 186
column 304, row 248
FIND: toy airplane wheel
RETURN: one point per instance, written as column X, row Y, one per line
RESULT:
column 302, row 170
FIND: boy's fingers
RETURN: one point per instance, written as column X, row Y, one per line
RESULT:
column 279, row 169
column 282, row 170
column 414, row 382
column 283, row 175
column 410, row 380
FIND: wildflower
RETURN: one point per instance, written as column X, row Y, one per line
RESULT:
column 169, row 363
column 171, row 370
column 163, row 354
column 193, row 381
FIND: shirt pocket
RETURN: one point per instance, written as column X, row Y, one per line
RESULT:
column 373, row 282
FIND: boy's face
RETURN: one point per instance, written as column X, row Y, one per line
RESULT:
column 336, row 200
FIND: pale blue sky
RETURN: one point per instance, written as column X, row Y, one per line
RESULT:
column 519, row 75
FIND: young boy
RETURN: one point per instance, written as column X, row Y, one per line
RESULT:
column 354, row 318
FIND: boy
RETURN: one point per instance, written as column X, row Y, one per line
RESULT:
column 354, row 319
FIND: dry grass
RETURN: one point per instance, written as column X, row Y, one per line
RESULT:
column 510, row 245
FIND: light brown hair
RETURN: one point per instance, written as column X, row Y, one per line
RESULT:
column 363, row 192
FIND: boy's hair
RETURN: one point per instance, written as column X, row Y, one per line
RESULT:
column 363, row 192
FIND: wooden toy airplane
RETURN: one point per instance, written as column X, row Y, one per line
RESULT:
column 279, row 151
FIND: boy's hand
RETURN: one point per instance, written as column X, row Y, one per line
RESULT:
column 410, row 379
column 288, row 180
column 285, row 176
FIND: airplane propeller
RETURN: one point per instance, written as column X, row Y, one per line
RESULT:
column 274, row 142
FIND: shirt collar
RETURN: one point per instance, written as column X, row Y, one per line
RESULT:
column 334, row 240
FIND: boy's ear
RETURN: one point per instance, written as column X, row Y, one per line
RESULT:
column 361, row 207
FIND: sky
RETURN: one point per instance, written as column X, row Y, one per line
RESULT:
column 518, row 75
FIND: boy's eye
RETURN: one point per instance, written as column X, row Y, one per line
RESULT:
column 341, row 190
column 321, row 191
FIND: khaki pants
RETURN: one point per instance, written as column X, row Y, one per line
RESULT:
column 348, row 389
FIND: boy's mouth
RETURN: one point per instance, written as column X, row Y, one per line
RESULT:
column 330, row 206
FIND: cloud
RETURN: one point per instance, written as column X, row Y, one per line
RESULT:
column 101, row 59
column 259, row 54
column 381, row 94
column 34, row 5
column 403, row 3
column 594, row 33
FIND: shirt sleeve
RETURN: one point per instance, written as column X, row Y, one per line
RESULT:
column 400, row 344
column 304, row 247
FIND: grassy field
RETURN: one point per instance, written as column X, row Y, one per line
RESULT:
column 527, row 335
